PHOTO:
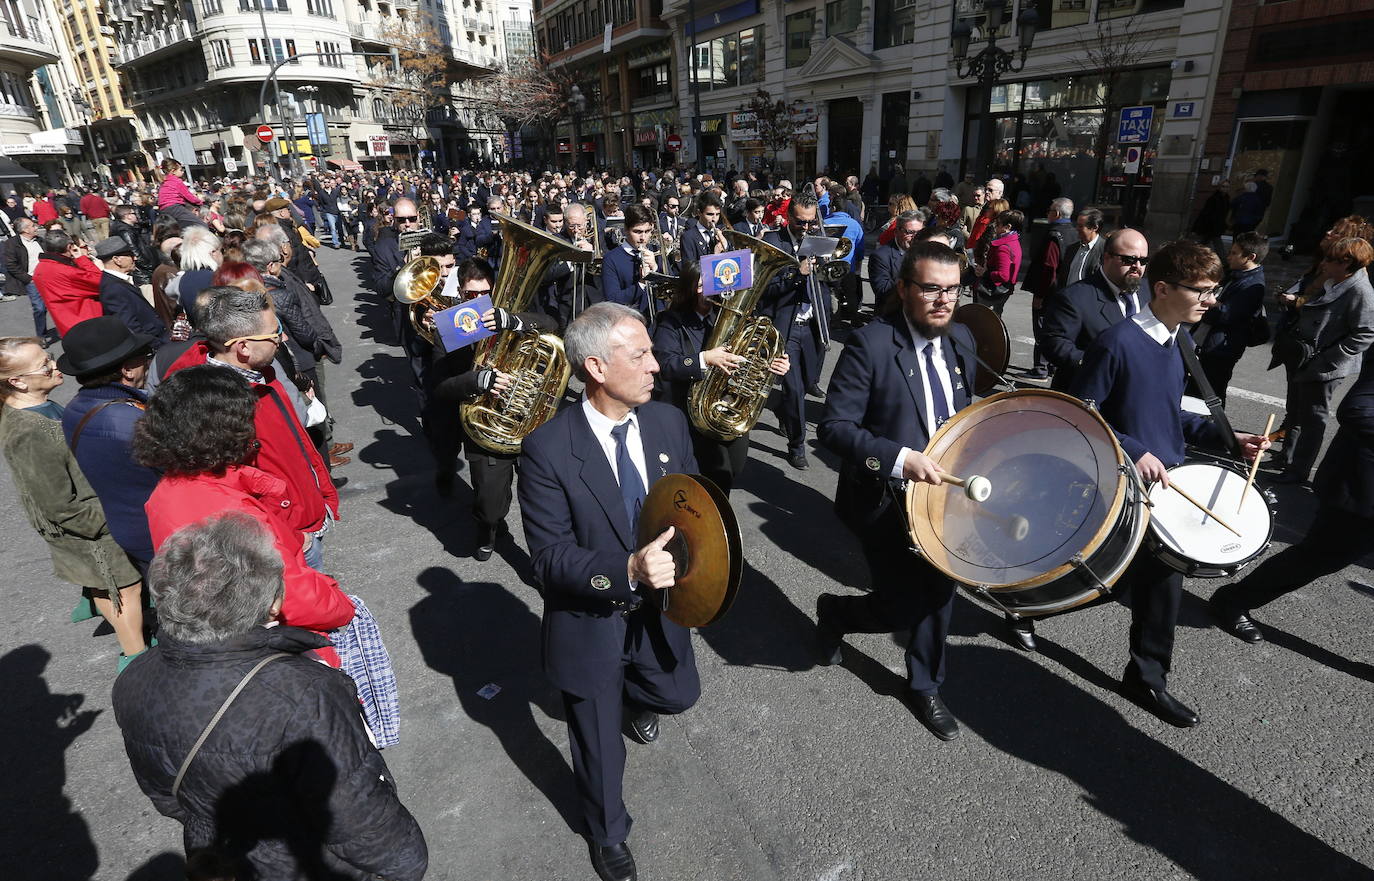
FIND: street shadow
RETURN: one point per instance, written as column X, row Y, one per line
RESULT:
column 764, row 628
column 478, row 633
column 388, row 386
column 1202, row 824
column 166, row 866
column 801, row 522
column 41, row 835
column 1319, row 654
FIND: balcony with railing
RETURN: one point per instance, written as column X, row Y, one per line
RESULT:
column 28, row 42
column 155, row 45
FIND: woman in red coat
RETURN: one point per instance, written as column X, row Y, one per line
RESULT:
column 199, row 432
column 1003, row 260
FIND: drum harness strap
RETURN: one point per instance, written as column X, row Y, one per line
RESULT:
column 1187, row 348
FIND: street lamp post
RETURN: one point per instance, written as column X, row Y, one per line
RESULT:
column 79, row 101
column 988, row 66
column 577, row 104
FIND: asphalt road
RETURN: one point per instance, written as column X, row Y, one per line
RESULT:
column 783, row 770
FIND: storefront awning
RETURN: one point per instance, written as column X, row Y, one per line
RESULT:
column 346, row 164
column 11, row 170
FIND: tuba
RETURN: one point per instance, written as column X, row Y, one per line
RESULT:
column 536, row 361
column 417, row 286
column 726, row 405
column 836, row 266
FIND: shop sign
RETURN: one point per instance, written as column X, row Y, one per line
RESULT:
column 589, row 146
column 646, row 137
column 744, row 126
column 564, row 148
column 804, row 120
column 712, row 125
column 33, row 150
column 379, row 145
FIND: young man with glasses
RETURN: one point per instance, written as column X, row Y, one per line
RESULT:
column 1135, row 374
column 799, row 305
column 1081, row 312
column 896, row 381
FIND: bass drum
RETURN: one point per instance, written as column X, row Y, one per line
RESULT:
column 1067, row 511
column 1191, row 542
column 992, row 341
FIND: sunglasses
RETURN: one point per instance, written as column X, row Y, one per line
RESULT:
column 259, row 338
column 408, row 218
column 1130, row 259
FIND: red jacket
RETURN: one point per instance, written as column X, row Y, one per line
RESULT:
column 94, row 206
column 1004, row 259
column 312, row 599
column 286, row 450
column 45, row 211
column 70, row 289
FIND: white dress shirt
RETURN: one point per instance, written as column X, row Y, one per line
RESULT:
column 601, row 426
column 946, row 386
column 1116, row 294
column 1157, row 330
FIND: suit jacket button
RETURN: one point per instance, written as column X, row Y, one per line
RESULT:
column 687, row 361
column 601, row 582
column 873, row 463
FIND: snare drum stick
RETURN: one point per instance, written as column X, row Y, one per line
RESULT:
column 1203, row 508
column 1254, row 466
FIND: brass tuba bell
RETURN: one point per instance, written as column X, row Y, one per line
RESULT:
column 536, row 361
column 417, row 286
column 836, row 266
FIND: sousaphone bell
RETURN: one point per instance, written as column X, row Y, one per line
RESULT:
column 705, row 546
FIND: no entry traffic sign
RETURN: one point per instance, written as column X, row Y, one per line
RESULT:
column 674, row 142
column 265, row 134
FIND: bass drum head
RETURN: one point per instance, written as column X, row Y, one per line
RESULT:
column 1189, row 534
column 992, row 341
column 706, row 545
column 1058, row 491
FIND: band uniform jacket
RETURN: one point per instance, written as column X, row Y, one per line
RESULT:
column 695, row 245
column 787, row 292
column 876, row 405
column 619, row 280
column 580, row 541
column 884, row 271
column 1075, row 317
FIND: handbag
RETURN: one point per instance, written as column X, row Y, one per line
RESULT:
column 1259, row 331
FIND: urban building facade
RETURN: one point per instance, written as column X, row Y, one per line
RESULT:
column 35, row 98
column 86, row 41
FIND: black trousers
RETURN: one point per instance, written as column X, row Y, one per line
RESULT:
column 721, row 461
column 1038, row 328
column 1156, row 592
column 1218, row 369
column 594, row 723
column 1308, row 410
column 419, row 353
column 807, row 355
column 1335, row 539
column 907, row 592
column 849, row 294
column 492, row 474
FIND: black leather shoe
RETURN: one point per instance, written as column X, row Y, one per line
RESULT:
column 642, row 725
column 1238, row 624
column 829, row 638
column 797, row 461
column 1022, row 633
column 816, row 392
column 1161, row 703
column 486, row 543
column 936, row 716
column 614, row 862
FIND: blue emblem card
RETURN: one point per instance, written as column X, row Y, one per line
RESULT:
column 462, row 325
column 727, row 273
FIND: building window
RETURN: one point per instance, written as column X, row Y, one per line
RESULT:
column 730, row 60
column 378, row 110
column 751, row 56
column 1120, row 8
column 653, row 83
column 291, row 50
column 800, row 27
column 254, row 53
column 211, row 7
column 278, row 52
column 842, row 17
column 894, row 23
column 268, row 5
column 221, row 53
column 320, row 7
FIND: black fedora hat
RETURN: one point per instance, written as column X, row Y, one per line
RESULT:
column 98, row 345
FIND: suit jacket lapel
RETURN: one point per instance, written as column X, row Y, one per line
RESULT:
column 658, row 461
column 960, row 392
column 1110, row 310
column 909, row 364
column 596, row 473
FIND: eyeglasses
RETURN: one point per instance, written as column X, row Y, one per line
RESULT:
column 408, row 218
column 49, row 367
column 274, row 338
column 932, row 292
column 1203, row 294
column 1130, row 259
column 806, row 224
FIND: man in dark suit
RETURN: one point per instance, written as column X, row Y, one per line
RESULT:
column 1079, row 313
column 898, row 378
column 703, row 236
column 670, row 220
column 625, row 267
column 473, row 233
column 1043, row 277
column 799, row 305
column 1083, row 257
column 17, row 258
column 885, row 266
column 119, row 295
column 752, row 224
column 583, row 479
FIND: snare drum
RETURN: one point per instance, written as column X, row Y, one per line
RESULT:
column 1187, row 540
column 1066, row 514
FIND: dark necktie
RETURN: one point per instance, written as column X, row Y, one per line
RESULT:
column 937, row 391
column 1128, row 303
column 631, row 486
